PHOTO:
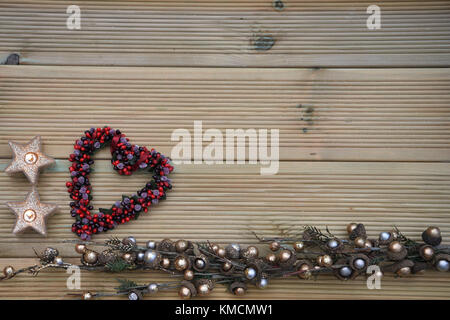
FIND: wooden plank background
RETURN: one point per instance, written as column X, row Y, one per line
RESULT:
column 357, row 143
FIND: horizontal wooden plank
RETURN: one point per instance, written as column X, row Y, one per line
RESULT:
column 226, row 203
column 227, row 33
column 52, row 285
column 321, row 114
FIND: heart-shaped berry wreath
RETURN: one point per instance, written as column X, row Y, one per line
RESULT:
column 126, row 158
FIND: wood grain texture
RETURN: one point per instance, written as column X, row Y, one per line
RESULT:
column 364, row 120
column 325, row 114
column 227, row 203
column 324, row 33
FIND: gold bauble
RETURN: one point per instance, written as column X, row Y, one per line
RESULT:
column 181, row 246
column 395, row 246
column 221, row 252
column 327, row 261
column 271, row 258
column 274, row 246
column 428, row 252
column 360, row 242
column 128, row 257
column 368, row 244
column 203, row 290
column 285, row 255
column 181, row 263
column 299, row 246
column 226, row 266
column 188, row 275
column 90, row 257
column 306, row 273
column 184, row 293
column 351, row 227
column 433, row 232
column 214, row 248
column 319, row 260
column 80, row 248
column 239, row 291
column 165, row 263
column 405, row 271
column 8, row 271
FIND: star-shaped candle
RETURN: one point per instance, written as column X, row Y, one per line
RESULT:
column 31, row 213
column 29, row 159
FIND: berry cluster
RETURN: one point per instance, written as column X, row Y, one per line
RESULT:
column 126, row 158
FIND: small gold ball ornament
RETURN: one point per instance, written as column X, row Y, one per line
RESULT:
column 299, row 246
column 80, row 248
column 165, row 263
column 226, row 266
column 239, row 291
column 285, row 255
column 188, row 275
column 403, row 272
column 221, row 252
column 215, row 247
column 319, row 260
column 203, row 290
column 271, row 258
column 128, row 257
column 368, row 244
column 184, row 293
column 327, row 261
column 428, row 253
column 181, row 263
column 433, row 232
column 8, row 271
column 360, row 242
column 351, row 227
column 395, row 246
column 305, row 271
column 181, row 246
column 274, row 246
column 90, row 257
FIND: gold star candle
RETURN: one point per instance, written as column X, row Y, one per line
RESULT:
column 31, row 213
column 28, row 159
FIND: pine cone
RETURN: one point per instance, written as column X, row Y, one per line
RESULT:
column 106, row 256
column 49, row 255
column 166, row 245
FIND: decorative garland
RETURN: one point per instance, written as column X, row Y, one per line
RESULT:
column 203, row 265
column 126, row 158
